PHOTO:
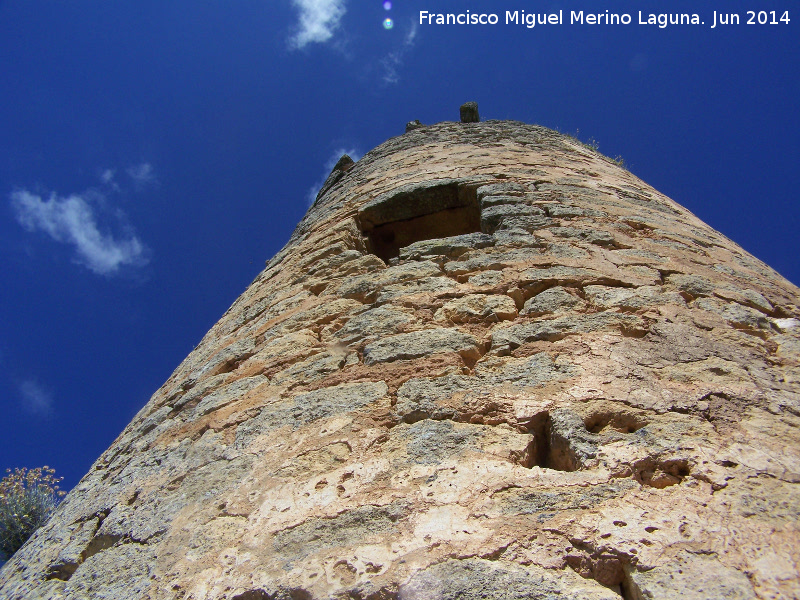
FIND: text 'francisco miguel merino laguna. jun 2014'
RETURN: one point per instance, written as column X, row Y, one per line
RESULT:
column 579, row 17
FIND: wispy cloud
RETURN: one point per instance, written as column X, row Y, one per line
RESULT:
column 331, row 162
column 35, row 399
column 72, row 221
column 109, row 179
column 392, row 62
column 319, row 19
column 107, row 176
column 141, row 174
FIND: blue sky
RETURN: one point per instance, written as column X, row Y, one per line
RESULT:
column 154, row 154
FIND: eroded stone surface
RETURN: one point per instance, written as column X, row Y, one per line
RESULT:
column 418, row 344
column 478, row 308
column 592, row 395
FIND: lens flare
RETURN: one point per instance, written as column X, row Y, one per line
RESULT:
column 387, row 5
column 388, row 23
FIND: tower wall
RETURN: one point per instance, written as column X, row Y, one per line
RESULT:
column 489, row 363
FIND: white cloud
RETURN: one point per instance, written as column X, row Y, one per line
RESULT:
column 319, row 19
column 108, row 178
column 392, row 62
column 72, row 221
column 141, row 174
column 331, row 162
column 35, row 399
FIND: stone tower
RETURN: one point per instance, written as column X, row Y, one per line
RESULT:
column 489, row 363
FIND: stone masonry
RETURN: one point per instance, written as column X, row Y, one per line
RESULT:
column 489, row 363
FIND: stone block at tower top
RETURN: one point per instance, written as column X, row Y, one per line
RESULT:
column 469, row 112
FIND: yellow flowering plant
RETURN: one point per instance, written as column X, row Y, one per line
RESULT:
column 27, row 498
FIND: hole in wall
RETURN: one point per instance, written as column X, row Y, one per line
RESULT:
column 260, row 594
column 386, row 240
column 605, row 567
column 538, row 450
column 384, row 593
column 253, row 595
column 428, row 211
column 628, row 588
column 559, row 441
column 62, row 570
column 622, row 422
column 65, row 569
column 661, row 473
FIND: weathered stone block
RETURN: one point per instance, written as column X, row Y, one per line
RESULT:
column 504, row 188
column 478, row 308
column 412, row 200
column 417, row 344
column 450, row 247
column 633, row 298
column 553, row 300
column 372, row 323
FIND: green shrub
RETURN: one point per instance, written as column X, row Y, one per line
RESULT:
column 27, row 498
